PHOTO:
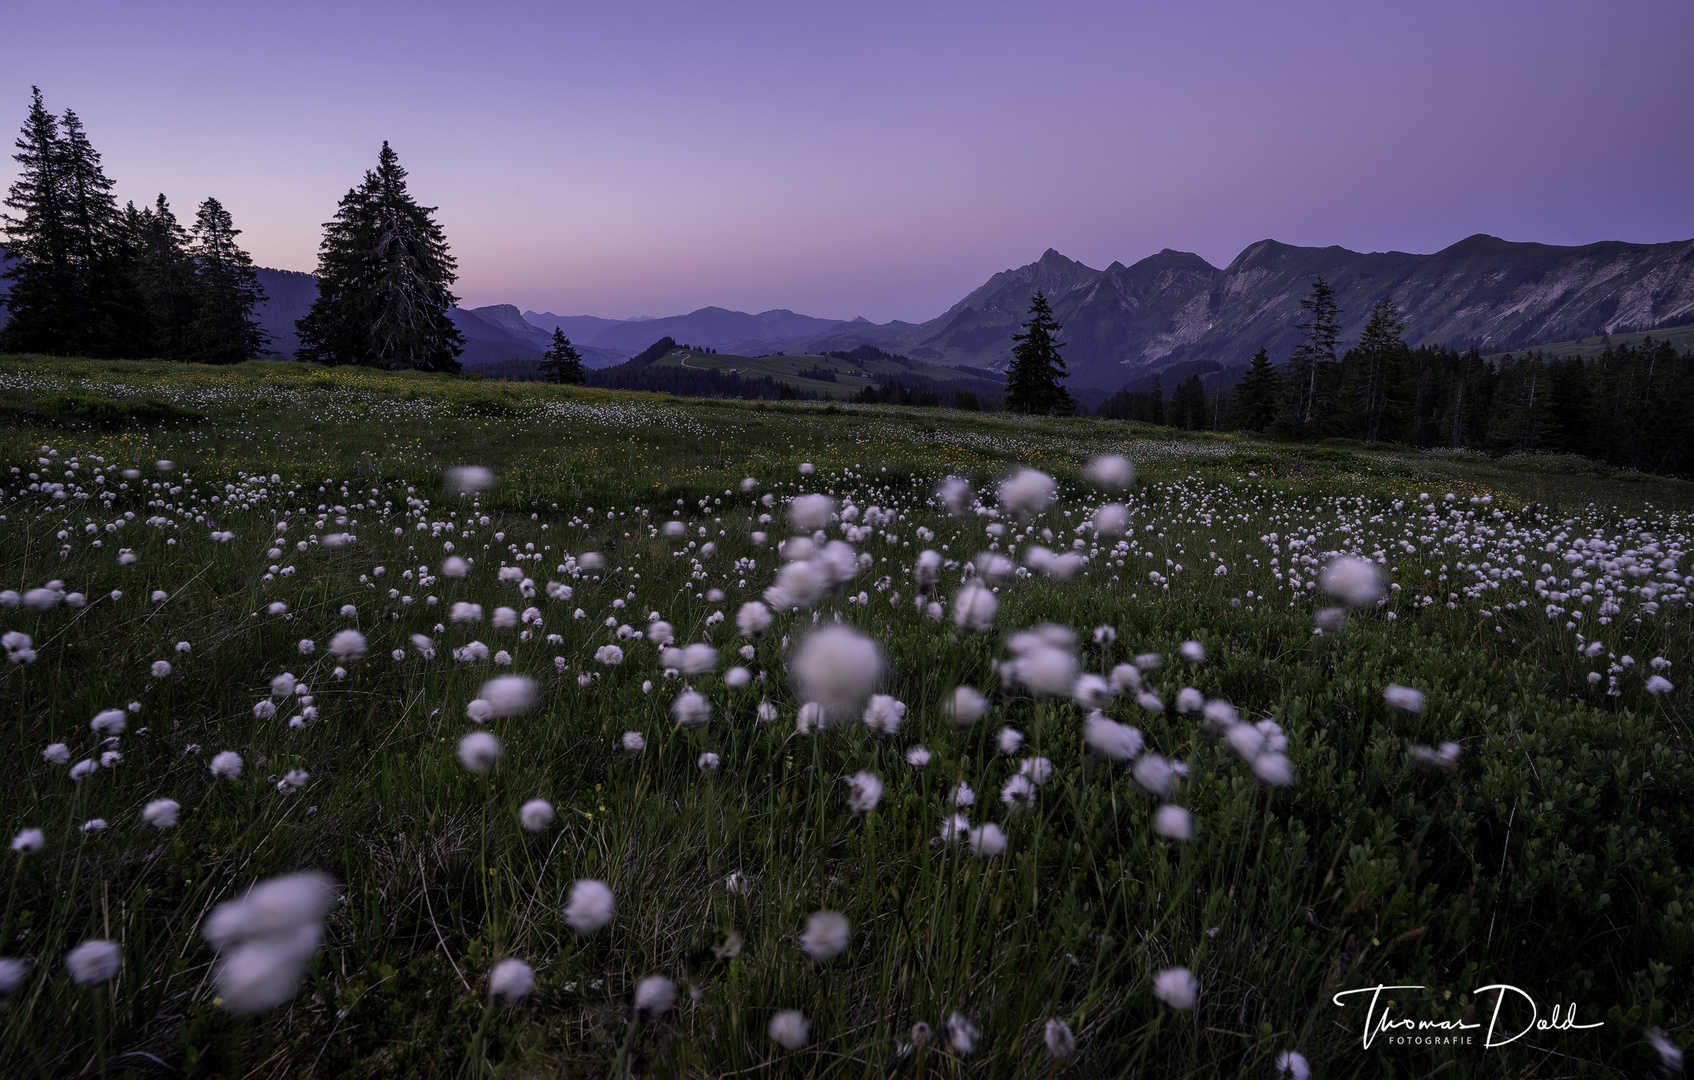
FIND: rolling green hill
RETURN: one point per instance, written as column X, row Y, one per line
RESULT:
column 1680, row 337
column 849, row 376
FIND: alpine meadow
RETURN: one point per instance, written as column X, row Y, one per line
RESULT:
column 399, row 690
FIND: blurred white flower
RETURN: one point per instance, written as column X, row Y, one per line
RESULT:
column 1353, row 581
column 609, row 655
column 654, row 996
column 161, row 813
column 826, row 935
column 161, row 669
column 265, row 939
column 1061, row 1043
column 809, row 513
column 509, row 695
column 1110, row 471
column 1176, row 987
column 917, row 757
column 962, row 1034
column 1294, row 1064
column 1192, row 651
column 633, row 742
column 1403, row 697
column 790, row 1029
column 883, row 714
column 837, row 668
column 1010, row 740
column 975, row 606
column 590, row 906
column 691, row 709
column 965, row 706
column 29, row 841
column 226, row 765
column 1173, row 823
column 56, row 754
column 988, row 841
column 864, row 792
column 709, row 762
column 94, row 962
column 1112, row 739
column 479, row 750
column 469, row 479
column 510, row 980
column 1027, row 492
column 108, row 722
column 536, row 814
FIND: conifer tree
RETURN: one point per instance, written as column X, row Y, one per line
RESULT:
column 163, row 275
column 383, row 281
column 1307, row 369
column 1156, row 412
column 1032, row 380
column 1373, row 371
column 1257, row 395
column 562, row 363
column 38, row 241
column 227, row 291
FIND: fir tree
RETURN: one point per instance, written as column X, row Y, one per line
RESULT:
column 562, row 363
column 1156, row 411
column 1305, row 374
column 1032, row 380
column 164, row 276
column 1257, row 395
column 383, row 281
column 42, row 299
column 227, row 291
column 1373, row 374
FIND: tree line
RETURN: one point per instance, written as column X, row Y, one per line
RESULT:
column 89, row 278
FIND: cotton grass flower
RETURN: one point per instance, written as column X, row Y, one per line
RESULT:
column 633, row 742
column 837, row 668
column 737, row 678
column 265, row 940
column 691, row 710
column 1113, row 472
column 965, row 706
column 94, row 962
column 509, row 695
column 709, row 762
column 1109, row 738
column 1658, row 684
column 753, row 619
column 161, row 813
column 1018, row 793
column 1111, row 519
column 85, row 767
column 478, row 751
column 1403, row 697
column 108, row 722
column 469, row 479
column 29, row 841
column 95, row 825
column 883, row 714
column 988, row 841
column 1353, row 581
column 610, row 655
column 974, row 607
column 1293, row 1064
column 1192, row 651
column 1176, row 987
column 347, row 645
column 536, row 814
column 161, row 669
column 479, row 711
column 917, row 757
column 510, row 980
column 1061, row 1043
column 1670, row 1054
column 1173, row 823
column 962, row 1034
column 654, row 996
column 809, row 513
column 789, row 1029
column 12, row 975
column 1010, row 740
column 590, row 906
column 826, row 935
column 1027, row 492
column 1154, row 775
column 226, row 765
column 864, row 792
column 56, row 754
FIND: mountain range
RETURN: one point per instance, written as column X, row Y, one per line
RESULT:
column 1171, row 314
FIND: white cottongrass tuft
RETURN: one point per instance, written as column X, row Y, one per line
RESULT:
column 837, row 668
column 988, row 841
column 160, row 669
column 108, row 722
column 654, row 996
column 633, row 742
column 864, row 792
column 826, row 935
column 1293, row 1064
column 1018, row 793
column 1173, row 823
column 1119, row 742
column 1446, row 756
column 226, row 765
column 753, row 619
column 1091, row 691
column 691, row 709
column 1658, row 684
column 1110, row 471
column 956, row 495
column 536, row 814
column 790, row 1029
column 509, row 695
column 1353, row 581
column 1192, row 651
column 347, row 645
column 965, row 706
column 809, row 513
column 1027, row 492
column 709, row 762
column 883, row 714
column 1403, row 697
column 265, row 939
column 29, row 841
column 1670, row 1054
column 1154, row 775
column 1189, row 700
column 699, row 659
column 94, row 962
column 962, row 1034
column 83, row 768
column 510, row 980
column 590, row 906
column 610, row 655
column 918, row 757
column 479, row 750
column 1176, row 987
column 1010, row 740
column 1061, row 1043
column 56, row 754
column 479, row 711
column 737, row 678
column 962, row 795
column 454, row 567
column 974, row 607
column 1111, row 519
column 161, row 813
column 12, row 975
column 469, row 479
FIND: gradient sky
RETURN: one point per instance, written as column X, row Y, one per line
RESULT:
column 879, row 159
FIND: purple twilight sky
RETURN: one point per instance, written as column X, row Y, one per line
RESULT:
column 879, row 159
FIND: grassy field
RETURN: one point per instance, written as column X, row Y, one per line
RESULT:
column 850, row 376
column 265, row 562
column 1680, row 337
